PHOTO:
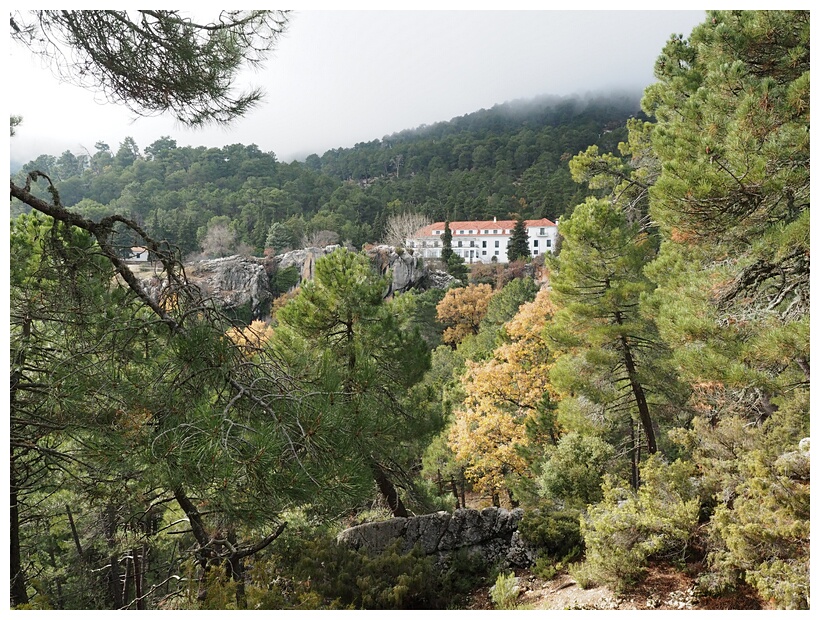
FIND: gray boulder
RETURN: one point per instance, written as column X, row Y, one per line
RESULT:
column 490, row 535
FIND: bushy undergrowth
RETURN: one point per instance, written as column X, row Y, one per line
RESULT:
column 557, row 537
column 309, row 570
column 505, row 591
column 626, row 529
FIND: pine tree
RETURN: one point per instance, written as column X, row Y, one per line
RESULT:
column 519, row 244
column 355, row 349
column 610, row 350
column 156, row 61
column 733, row 206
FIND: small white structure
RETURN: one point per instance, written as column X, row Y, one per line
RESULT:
column 138, row 254
column 483, row 241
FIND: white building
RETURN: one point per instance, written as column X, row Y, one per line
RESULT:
column 138, row 254
column 483, row 241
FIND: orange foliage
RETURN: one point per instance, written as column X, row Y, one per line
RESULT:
column 462, row 309
column 502, row 393
column 252, row 338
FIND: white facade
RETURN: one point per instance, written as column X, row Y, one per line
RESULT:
column 483, row 241
column 138, row 255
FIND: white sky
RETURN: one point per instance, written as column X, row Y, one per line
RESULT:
column 342, row 77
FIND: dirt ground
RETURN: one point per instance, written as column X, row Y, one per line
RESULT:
column 665, row 588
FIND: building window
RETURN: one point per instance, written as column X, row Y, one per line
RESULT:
column 495, row 231
column 496, row 252
column 472, row 243
column 535, row 243
column 549, row 243
column 459, row 243
column 496, row 244
column 484, row 244
column 484, row 252
column 542, row 232
column 535, row 252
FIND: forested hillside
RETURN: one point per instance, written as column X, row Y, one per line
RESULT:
column 510, row 159
column 642, row 397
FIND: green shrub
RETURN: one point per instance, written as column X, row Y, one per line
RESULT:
column 556, row 535
column 582, row 575
column 342, row 578
column 505, row 591
column 575, row 468
column 626, row 529
column 763, row 536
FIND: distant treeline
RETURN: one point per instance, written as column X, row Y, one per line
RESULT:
column 512, row 158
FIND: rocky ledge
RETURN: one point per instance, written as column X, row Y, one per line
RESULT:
column 491, row 534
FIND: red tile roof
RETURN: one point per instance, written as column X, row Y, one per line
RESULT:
column 481, row 225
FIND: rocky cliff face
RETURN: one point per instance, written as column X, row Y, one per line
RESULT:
column 408, row 270
column 234, row 282
column 492, row 534
column 238, row 281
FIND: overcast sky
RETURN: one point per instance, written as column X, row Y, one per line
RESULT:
column 342, row 77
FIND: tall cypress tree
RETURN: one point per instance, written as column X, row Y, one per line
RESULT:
column 519, row 247
column 446, row 243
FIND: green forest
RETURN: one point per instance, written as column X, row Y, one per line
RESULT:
column 642, row 395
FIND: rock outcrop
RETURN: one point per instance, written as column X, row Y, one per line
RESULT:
column 491, row 534
column 241, row 281
column 234, row 282
column 302, row 260
column 408, row 270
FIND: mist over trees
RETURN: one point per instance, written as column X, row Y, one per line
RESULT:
column 642, row 395
column 521, row 166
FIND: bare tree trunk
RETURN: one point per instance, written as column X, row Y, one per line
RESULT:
column 455, row 491
column 637, row 390
column 138, row 568
column 18, row 593
column 388, row 489
column 74, row 534
column 126, row 582
column 634, row 455
column 114, row 591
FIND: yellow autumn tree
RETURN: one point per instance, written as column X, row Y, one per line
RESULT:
column 462, row 310
column 503, row 392
column 251, row 338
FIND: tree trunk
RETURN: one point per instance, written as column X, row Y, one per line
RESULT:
column 236, row 571
column 637, row 391
column 455, row 491
column 114, row 591
column 138, row 572
column 18, row 593
column 388, row 490
column 634, row 455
